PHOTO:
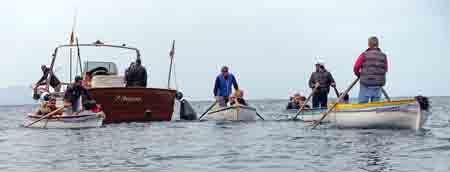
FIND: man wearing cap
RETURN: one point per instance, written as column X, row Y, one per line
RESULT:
column 222, row 86
column 371, row 67
column 73, row 94
column 322, row 79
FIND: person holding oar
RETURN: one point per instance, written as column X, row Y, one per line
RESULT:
column 73, row 95
column 322, row 79
column 371, row 67
column 222, row 86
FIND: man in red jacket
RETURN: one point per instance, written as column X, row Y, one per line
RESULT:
column 371, row 68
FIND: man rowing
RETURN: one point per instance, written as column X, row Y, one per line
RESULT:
column 222, row 86
column 322, row 79
column 371, row 67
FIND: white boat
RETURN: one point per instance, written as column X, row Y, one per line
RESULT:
column 233, row 113
column 83, row 120
column 401, row 114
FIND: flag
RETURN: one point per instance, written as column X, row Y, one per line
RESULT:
column 172, row 51
column 72, row 38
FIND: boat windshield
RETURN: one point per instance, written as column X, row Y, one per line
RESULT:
column 93, row 65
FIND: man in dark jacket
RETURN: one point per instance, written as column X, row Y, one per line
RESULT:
column 54, row 81
column 136, row 75
column 371, row 67
column 322, row 79
column 73, row 95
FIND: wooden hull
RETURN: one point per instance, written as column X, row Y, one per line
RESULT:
column 308, row 115
column 135, row 104
column 233, row 113
column 403, row 114
column 85, row 120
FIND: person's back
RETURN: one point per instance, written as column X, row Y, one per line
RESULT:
column 136, row 75
column 371, row 67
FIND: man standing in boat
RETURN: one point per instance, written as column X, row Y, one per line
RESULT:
column 371, row 67
column 136, row 75
column 73, row 95
column 222, row 86
column 322, row 79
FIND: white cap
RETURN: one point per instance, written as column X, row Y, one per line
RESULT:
column 320, row 61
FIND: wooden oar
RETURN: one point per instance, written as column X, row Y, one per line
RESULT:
column 259, row 115
column 306, row 102
column 207, row 110
column 46, row 116
column 385, row 94
column 334, row 105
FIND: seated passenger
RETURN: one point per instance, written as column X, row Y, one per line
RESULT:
column 238, row 97
column 294, row 102
column 47, row 107
column 301, row 101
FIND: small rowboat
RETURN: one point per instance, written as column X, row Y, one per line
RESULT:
column 401, row 114
column 308, row 115
column 83, row 120
column 233, row 113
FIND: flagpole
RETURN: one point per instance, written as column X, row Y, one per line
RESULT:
column 172, row 53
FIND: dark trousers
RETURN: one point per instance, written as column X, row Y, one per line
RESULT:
column 320, row 100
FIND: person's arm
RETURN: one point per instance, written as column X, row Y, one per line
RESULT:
column 145, row 77
column 216, row 86
column 311, row 81
column 332, row 82
column 43, row 78
column 235, row 84
column 358, row 64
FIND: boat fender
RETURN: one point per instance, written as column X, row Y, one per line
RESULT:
column 179, row 96
column 424, row 102
column 148, row 114
column 186, row 111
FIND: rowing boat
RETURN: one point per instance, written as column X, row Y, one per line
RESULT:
column 401, row 114
column 83, row 120
column 233, row 113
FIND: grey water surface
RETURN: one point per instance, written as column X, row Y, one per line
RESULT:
column 272, row 145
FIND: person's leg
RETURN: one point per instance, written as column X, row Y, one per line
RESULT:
column 375, row 94
column 323, row 100
column 363, row 94
column 226, row 100
column 222, row 102
column 315, row 101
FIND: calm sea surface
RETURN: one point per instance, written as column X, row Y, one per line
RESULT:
column 271, row 145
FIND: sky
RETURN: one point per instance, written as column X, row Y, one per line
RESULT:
column 270, row 45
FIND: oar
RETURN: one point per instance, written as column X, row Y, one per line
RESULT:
column 259, row 115
column 46, row 116
column 306, row 102
column 208, row 110
column 334, row 105
column 385, row 94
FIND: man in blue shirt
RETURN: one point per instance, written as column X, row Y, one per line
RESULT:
column 73, row 95
column 222, row 86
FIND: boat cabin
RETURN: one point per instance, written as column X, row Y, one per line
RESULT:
column 100, row 74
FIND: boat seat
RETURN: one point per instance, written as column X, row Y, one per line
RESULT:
column 105, row 81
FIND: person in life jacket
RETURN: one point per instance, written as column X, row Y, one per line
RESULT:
column 322, row 79
column 222, row 86
column 371, row 68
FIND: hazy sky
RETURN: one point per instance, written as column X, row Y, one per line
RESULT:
column 270, row 45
